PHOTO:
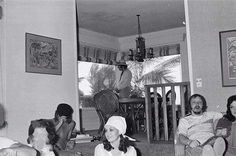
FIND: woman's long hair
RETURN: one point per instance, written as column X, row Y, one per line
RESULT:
column 124, row 144
column 228, row 114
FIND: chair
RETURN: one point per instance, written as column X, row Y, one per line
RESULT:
column 106, row 104
column 179, row 148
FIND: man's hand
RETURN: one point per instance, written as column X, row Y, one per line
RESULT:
column 194, row 143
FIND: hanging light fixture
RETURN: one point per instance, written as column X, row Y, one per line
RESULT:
column 139, row 54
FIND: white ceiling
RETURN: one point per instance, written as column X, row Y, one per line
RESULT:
column 118, row 17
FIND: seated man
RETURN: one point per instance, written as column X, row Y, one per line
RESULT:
column 50, row 136
column 64, row 125
column 196, row 131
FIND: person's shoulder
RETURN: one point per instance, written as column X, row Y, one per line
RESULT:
column 224, row 122
column 128, row 71
column 186, row 117
column 131, row 150
column 185, row 120
column 99, row 146
column 213, row 113
column 6, row 142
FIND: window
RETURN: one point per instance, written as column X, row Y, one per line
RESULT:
column 94, row 77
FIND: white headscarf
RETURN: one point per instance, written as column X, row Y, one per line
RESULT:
column 118, row 122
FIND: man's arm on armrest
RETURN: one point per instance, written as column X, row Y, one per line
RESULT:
column 184, row 140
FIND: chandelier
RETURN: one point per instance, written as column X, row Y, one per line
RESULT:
column 139, row 54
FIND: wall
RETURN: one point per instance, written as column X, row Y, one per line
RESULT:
column 205, row 19
column 28, row 96
column 165, row 37
column 98, row 39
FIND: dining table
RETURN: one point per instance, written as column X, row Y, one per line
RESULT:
column 134, row 106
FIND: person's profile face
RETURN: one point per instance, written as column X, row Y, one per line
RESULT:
column 120, row 67
column 40, row 138
column 233, row 108
column 196, row 105
column 111, row 133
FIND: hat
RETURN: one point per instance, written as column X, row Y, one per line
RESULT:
column 121, row 63
column 118, row 122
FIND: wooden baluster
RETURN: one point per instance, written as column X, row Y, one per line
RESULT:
column 156, row 111
column 148, row 114
column 172, row 100
column 164, row 113
column 182, row 101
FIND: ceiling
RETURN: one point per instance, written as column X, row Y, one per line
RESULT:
column 118, row 17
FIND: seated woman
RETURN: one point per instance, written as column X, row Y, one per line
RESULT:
column 42, row 136
column 64, row 125
column 226, row 126
column 116, row 143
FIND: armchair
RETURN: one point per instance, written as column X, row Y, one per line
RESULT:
column 107, row 104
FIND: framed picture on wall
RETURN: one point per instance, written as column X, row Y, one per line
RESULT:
column 42, row 54
column 228, row 57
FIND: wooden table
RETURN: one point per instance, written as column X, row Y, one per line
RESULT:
column 132, row 103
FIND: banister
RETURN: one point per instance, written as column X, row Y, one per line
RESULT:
column 163, row 115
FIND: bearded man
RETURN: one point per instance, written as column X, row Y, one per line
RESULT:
column 196, row 130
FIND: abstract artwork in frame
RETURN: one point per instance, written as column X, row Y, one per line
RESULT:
column 228, row 57
column 43, row 54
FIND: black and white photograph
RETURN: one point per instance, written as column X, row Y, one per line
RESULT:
column 117, row 78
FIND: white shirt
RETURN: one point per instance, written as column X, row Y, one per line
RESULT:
column 199, row 128
column 100, row 151
column 6, row 143
column 124, row 80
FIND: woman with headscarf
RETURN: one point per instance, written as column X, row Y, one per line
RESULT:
column 116, row 143
column 226, row 126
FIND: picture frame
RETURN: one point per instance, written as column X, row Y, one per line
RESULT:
column 228, row 57
column 43, row 54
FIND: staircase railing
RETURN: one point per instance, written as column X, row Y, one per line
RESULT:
column 162, row 109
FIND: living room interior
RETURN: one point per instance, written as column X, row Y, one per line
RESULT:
column 198, row 37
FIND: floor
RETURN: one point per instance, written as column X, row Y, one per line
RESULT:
column 161, row 148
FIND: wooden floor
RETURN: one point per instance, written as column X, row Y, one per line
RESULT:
column 160, row 148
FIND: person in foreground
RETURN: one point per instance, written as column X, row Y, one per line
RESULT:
column 42, row 137
column 116, row 143
column 64, row 125
column 9, row 147
column 196, row 131
column 226, row 126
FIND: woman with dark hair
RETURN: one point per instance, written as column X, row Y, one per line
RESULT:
column 42, row 136
column 116, row 143
column 64, row 125
column 226, row 126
